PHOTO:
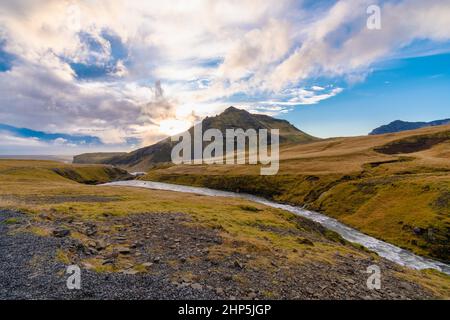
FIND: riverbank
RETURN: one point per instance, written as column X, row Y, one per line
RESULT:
column 213, row 246
column 400, row 197
column 383, row 249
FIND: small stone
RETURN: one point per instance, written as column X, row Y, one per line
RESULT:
column 239, row 265
column 147, row 264
column 45, row 216
column 196, row 286
column 123, row 250
column 61, row 232
column 252, row 295
column 108, row 261
column 100, row 245
column 136, row 244
column 348, row 280
column 219, row 291
column 128, row 265
column 91, row 230
column 130, row 272
column 92, row 251
column 87, row 265
column 157, row 260
column 113, row 255
column 92, row 244
column 406, row 286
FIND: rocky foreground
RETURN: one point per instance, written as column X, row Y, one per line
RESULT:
column 164, row 256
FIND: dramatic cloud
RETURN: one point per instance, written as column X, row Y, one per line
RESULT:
column 135, row 71
column 299, row 96
column 340, row 44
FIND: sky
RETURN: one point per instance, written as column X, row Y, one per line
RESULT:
column 115, row 75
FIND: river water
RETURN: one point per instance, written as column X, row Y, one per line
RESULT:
column 384, row 249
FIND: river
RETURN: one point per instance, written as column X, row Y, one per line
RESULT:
column 386, row 250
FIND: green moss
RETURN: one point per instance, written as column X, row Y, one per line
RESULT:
column 62, row 256
column 11, row 221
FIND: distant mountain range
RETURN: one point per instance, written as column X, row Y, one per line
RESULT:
column 231, row 118
column 399, row 125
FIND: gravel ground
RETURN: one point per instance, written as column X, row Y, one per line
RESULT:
column 29, row 268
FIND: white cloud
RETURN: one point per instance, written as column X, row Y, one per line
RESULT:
column 203, row 51
column 302, row 96
column 402, row 23
column 8, row 140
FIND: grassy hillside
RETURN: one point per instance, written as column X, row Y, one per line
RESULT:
column 394, row 187
column 96, row 158
column 32, row 171
column 257, row 241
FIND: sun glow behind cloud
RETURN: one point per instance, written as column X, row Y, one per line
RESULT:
column 174, row 126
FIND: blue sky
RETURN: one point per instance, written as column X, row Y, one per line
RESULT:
column 413, row 89
column 127, row 74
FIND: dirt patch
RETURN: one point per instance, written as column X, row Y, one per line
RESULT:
column 443, row 201
column 414, row 144
column 376, row 164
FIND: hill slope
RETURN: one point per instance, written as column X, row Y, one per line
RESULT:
column 394, row 187
column 399, row 125
column 154, row 244
column 96, row 158
column 144, row 158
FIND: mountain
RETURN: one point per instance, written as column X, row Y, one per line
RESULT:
column 399, row 125
column 231, row 118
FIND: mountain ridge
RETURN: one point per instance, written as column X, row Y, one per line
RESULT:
column 399, row 125
column 231, row 118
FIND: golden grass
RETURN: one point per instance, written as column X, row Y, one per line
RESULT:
column 35, row 188
column 47, row 192
column 386, row 196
